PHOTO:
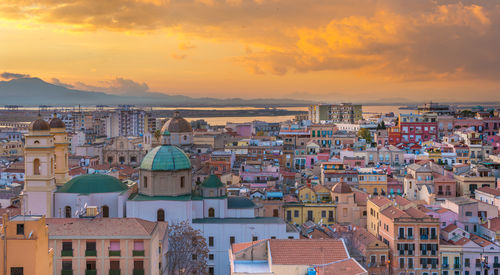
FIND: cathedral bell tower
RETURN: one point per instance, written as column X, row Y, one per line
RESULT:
column 39, row 162
column 58, row 129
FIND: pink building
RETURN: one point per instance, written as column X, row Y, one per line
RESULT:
column 106, row 245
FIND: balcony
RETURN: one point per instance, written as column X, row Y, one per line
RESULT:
column 137, row 253
column 91, row 272
column 410, row 266
column 424, row 237
column 410, row 237
column 90, row 253
column 496, row 265
column 456, row 266
column 114, row 253
column 445, row 266
column 434, row 266
column 67, row 253
column 478, row 265
column 66, row 272
column 138, row 272
column 401, row 237
column 114, row 272
column 433, row 237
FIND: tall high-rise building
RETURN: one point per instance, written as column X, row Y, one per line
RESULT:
column 337, row 113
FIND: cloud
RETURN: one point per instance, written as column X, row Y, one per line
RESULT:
column 118, row 85
column 56, row 81
column 7, row 75
column 178, row 56
column 391, row 40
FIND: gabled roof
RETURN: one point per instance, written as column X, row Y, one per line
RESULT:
column 449, row 228
column 393, row 213
column 73, row 227
column 380, row 201
column 489, row 190
column 307, row 252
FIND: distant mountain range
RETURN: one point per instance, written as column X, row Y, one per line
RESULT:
column 32, row 91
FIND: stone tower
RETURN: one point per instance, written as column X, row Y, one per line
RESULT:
column 61, row 143
column 39, row 180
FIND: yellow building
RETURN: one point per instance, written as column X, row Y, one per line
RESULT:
column 307, row 194
column 372, row 181
column 374, row 206
column 299, row 213
column 27, row 246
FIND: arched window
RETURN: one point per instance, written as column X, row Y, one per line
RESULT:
column 121, row 160
column 67, row 211
column 160, row 215
column 211, row 212
column 36, row 167
column 105, row 211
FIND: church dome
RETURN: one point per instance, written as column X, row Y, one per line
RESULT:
column 177, row 124
column 212, row 181
column 93, row 183
column 166, row 158
column 341, row 188
column 57, row 123
column 39, row 125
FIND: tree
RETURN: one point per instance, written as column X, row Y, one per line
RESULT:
column 187, row 250
column 365, row 134
column 157, row 135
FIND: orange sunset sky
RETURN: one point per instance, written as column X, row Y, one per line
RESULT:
column 334, row 50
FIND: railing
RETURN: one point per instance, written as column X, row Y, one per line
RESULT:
column 66, row 272
column 445, row 266
column 114, row 253
column 456, row 266
column 478, row 264
column 90, row 253
column 424, row 237
column 67, row 253
column 496, row 265
column 91, row 272
column 136, row 253
column 138, row 272
column 114, row 272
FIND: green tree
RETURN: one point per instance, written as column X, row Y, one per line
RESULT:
column 365, row 134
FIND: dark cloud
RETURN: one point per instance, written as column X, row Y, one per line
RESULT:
column 7, row 75
column 56, row 81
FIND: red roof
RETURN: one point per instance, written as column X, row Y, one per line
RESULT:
column 489, row 190
column 449, row 228
column 342, row 267
column 380, row 201
column 307, row 252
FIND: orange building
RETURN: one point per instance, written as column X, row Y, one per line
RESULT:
column 27, row 246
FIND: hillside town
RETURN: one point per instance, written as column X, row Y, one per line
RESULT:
column 332, row 191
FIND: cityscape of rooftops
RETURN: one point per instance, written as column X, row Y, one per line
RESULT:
column 183, row 137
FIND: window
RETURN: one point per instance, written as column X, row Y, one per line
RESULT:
column 211, row 241
column 275, row 213
column 138, row 265
column 91, row 246
column 323, row 214
column 296, row 213
column 232, row 239
column 67, row 246
column 211, row 257
column 255, row 238
column 373, row 259
column 36, row 167
column 114, row 265
column 138, row 245
column 401, row 263
column 145, row 182
column 20, row 229
column 16, row 271
column 67, row 265
column 289, row 215
column 182, row 182
column 410, row 233
column 105, row 211
column 468, row 213
column 91, row 265
column 401, row 232
column 160, row 215
column 211, row 270
column 211, row 212
column 67, row 211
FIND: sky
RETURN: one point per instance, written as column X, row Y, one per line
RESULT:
column 331, row 50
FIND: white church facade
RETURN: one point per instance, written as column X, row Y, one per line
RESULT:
column 165, row 192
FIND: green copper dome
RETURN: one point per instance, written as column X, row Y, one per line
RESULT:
column 166, row 158
column 212, row 181
column 93, row 183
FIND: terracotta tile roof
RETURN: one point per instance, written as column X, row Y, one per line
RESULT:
column 479, row 241
column 489, row 190
column 237, row 247
column 442, row 210
column 100, row 227
column 360, row 197
column 493, row 224
column 307, row 252
column 415, row 213
column 449, row 228
column 342, row 267
column 402, row 201
column 392, row 213
column 341, row 188
column 462, row 241
column 380, row 201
